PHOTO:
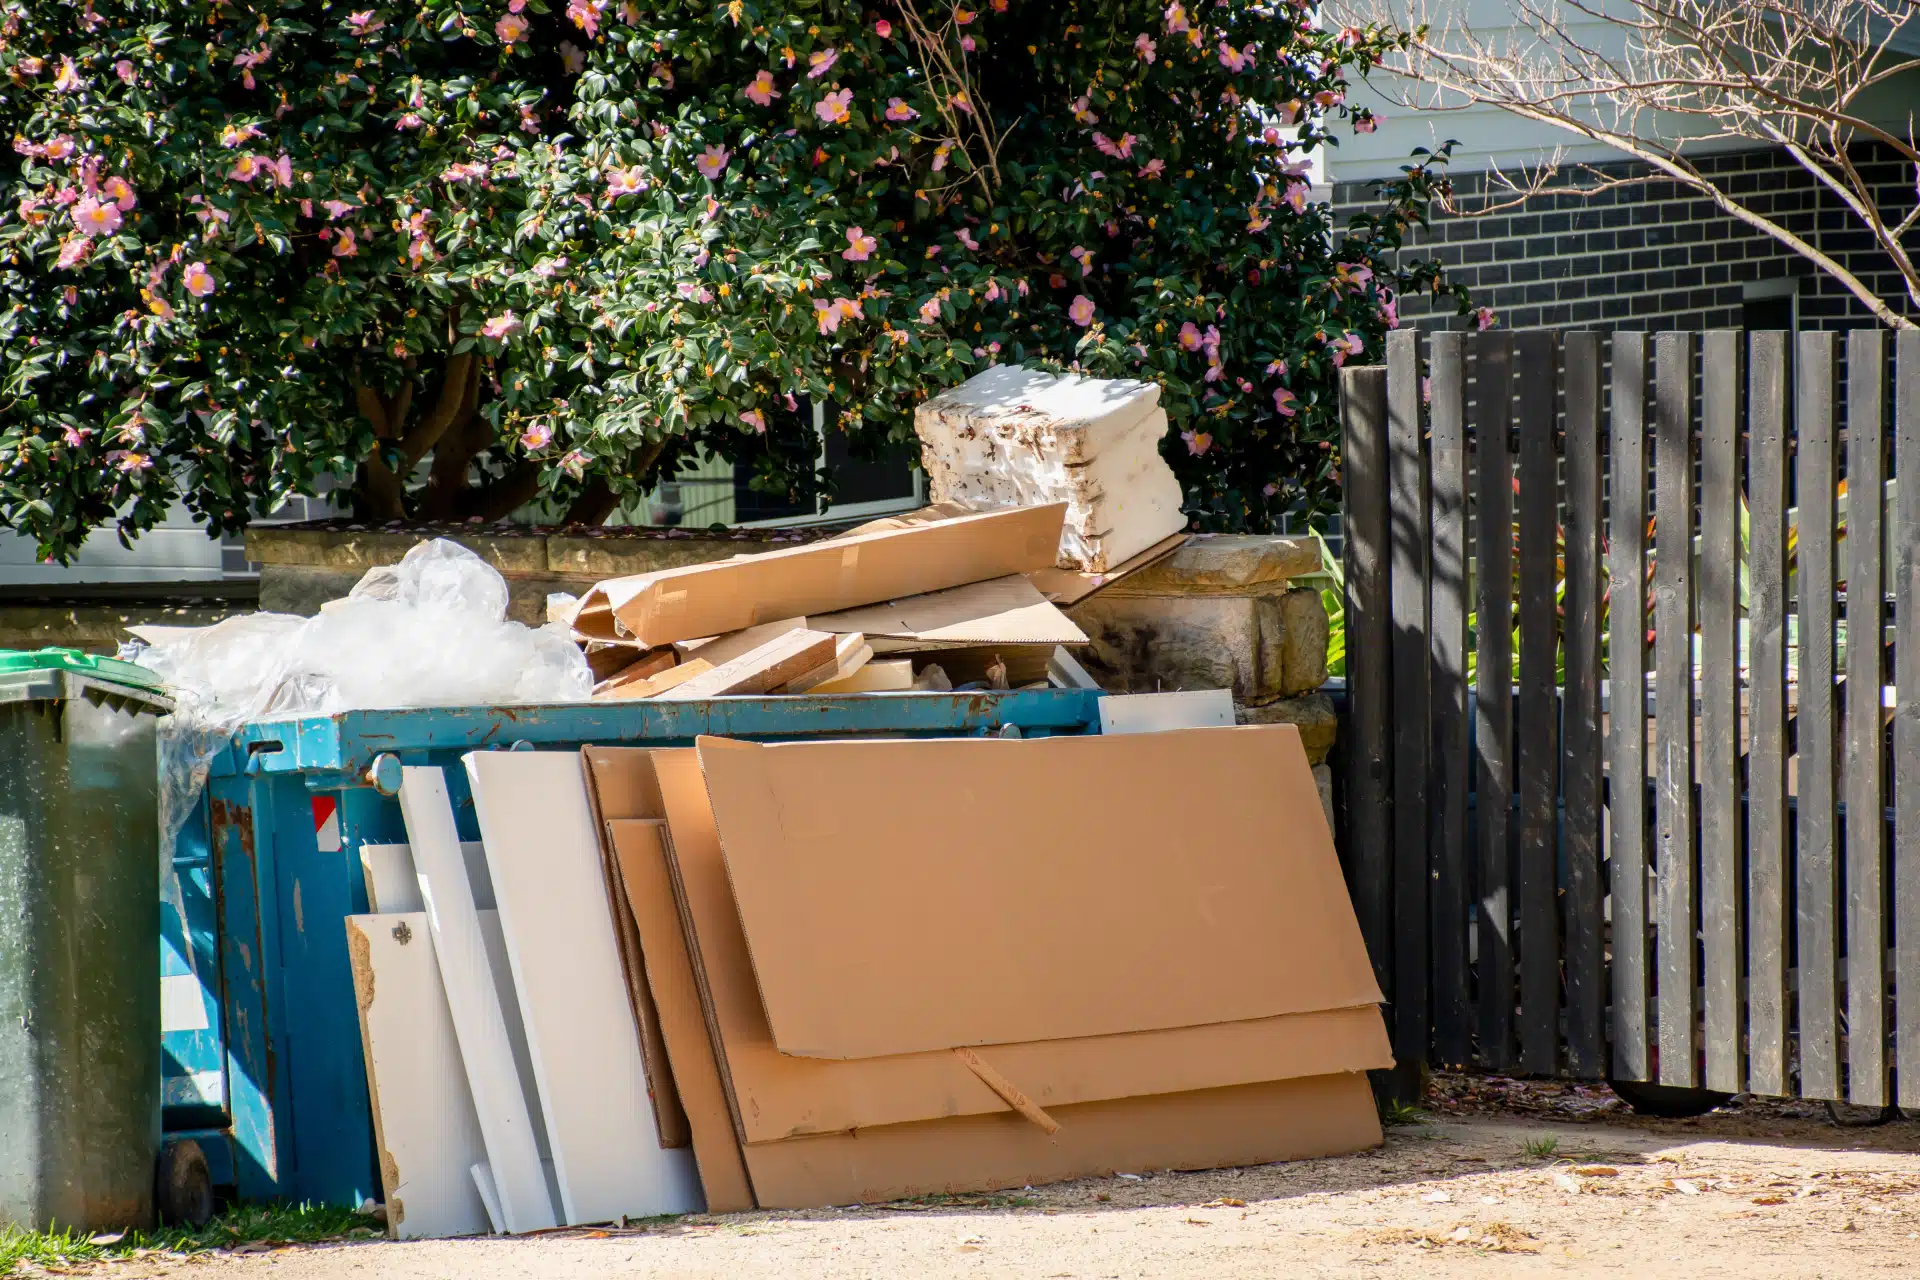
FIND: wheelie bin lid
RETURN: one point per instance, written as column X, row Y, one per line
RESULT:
column 61, row 673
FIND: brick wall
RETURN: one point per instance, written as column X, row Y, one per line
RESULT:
column 1656, row 255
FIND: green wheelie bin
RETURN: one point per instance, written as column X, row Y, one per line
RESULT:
column 79, row 941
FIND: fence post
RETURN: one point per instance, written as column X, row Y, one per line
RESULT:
column 1368, row 741
column 1410, row 531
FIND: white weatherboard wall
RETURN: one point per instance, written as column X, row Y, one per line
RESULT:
column 486, row 1048
column 544, row 856
column 422, row 1107
column 177, row 550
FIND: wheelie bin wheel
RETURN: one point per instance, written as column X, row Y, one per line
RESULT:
column 183, row 1185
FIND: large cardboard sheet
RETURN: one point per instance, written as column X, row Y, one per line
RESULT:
column 909, row 895
column 1252, row 1124
column 1007, row 610
column 711, row 599
column 779, row 1096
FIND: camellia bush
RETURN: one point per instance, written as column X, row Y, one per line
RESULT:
column 476, row 255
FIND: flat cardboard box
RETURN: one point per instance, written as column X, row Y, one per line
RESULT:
column 778, row 1096
column 712, row 599
column 759, row 670
column 1070, row 586
column 1214, row 1128
column 1077, row 886
column 1007, row 610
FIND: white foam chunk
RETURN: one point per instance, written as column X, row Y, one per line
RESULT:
column 1016, row 437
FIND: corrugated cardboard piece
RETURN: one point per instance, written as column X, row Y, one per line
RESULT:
column 1007, row 610
column 1049, row 906
column 711, row 599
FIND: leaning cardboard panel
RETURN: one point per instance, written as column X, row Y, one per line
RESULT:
column 711, row 599
column 777, row 1096
column 1033, row 889
column 1251, row 1124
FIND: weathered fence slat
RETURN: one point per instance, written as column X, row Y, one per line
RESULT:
column 1452, row 875
column 1673, row 704
column 1409, row 530
column 1369, row 780
column 1767, row 834
column 1581, row 742
column 1816, row 867
column 1538, row 755
column 1866, row 884
column 1719, row 763
column 1906, row 718
column 1627, row 689
column 1493, row 690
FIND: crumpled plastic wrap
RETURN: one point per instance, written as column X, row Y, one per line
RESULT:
column 431, row 631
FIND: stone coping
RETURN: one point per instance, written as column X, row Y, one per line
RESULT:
column 515, row 550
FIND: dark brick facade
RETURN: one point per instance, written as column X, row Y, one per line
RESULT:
column 1658, row 256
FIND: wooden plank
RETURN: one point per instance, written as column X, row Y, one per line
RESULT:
column 1493, row 690
column 1367, row 847
column 1673, row 706
column 1409, row 531
column 1581, row 742
column 1767, row 831
column 474, row 999
column 650, row 664
column 1866, row 615
column 1906, row 715
column 671, row 678
column 543, row 851
column 851, row 652
column 1816, row 869
column 1719, row 677
column 1447, row 650
column 424, row 1125
column 639, row 846
column 1535, row 357
column 1627, row 690
column 762, row 670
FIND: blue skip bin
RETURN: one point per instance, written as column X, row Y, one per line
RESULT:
column 262, row 1063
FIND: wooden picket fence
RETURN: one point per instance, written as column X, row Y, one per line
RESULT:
column 1676, row 842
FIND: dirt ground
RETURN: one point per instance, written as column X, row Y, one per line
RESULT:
column 1502, row 1179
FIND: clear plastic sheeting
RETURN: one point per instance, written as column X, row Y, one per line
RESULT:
column 431, row 631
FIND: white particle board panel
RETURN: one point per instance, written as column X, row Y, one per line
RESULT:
column 480, row 1022
column 489, row 1195
column 1156, row 712
column 394, row 885
column 423, row 1117
column 544, row 855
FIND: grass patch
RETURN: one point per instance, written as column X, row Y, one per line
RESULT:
column 273, row 1224
column 1540, row 1148
column 1394, row 1112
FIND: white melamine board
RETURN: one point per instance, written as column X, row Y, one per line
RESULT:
column 537, row 827
column 489, row 1196
column 394, row 885
column 423, row 1111
column 479, row 1021
column 1155, row 712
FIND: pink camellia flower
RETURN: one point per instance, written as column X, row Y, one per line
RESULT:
column 832, row 109
column 1198, row 442
column 962, row 17
column 755, row 419
column 68, row 80
column 827, row 312
column 1189, row 336
column 625, row 182
column 1144, row 46
column 59, row 147
column 120, row 191
column 537, row 436
column 233, row 135
column 966, row 43
column 161, row 308
column 281, row 170
column 128, row 460
column 248, row 60
column 1176, row 16
column 1329, row 97
column 1346, row 346
column 344, row 246
column 1083, row 112
column 712, row 162
column 994, row 291
column 821, row 62
column 1277, row 369
column 965, row 237
column 501, row 325
column 575, row 463
column 512, row 28
column 860, row 245
column 897, row 109
column 883, row 29
column 1235, row 59
column 960, row 102
column 364, row 23
column 940, row 156
column 573, row 58
column 1484, row 319
column 1080, row 311
column 95, row 217
column 337, row 209
column 1259, row 221
column 1285, row 403
column 1152, row 168
column 1368, row 123
column 760, row 89
column 73, row 252
column 124, row 69
column 1296, row 197
column 246, row 168
column 930, row 310
column 586, row 15
column 197, row 279
column 411, row 120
